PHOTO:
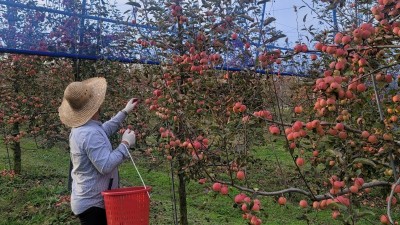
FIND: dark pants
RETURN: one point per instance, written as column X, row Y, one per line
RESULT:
column 93, row 216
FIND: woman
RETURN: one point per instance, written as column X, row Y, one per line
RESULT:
column 94, row 161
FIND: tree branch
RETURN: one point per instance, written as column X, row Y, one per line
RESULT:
column 323, row 123
column 304, row 192
column 389, row 203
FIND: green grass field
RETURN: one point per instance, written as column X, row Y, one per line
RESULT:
column 34, row 196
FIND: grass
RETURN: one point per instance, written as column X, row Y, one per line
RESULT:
column 34, row 196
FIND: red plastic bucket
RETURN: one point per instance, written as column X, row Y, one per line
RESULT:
column 127, row 206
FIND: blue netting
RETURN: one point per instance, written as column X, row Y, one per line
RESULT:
column 87, row 30
column 67, row 30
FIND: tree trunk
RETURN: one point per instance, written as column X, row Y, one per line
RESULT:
column 16, row 147
column 182, row 196
column 181, row 174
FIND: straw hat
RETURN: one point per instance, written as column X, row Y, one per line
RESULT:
column 81, row 101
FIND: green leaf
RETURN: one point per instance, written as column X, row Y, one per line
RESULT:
column 347, row 219
column 268, row 21
column 134, row 4
column 335, row 153
column 331, row 6
column 365, row 213
column 154, row 8
column 263, row 1
column 274, row 38
column 255, row 30
column 246, row 17
column 320, row 167
column 335, row 205
column 364, row 161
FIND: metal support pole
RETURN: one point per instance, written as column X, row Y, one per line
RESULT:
column 261, row 26
column 82, row 27
column 335, row 22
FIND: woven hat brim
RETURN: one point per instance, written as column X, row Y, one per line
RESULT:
column 75, row 118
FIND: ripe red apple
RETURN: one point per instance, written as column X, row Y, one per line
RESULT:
column 387, row 137
column 354, row 189
column 372, row 139
column 359, row 181
column 342, row 135
column 244, row 207
column 255, row 220
column 224, row 190
column 335, row 214
column 316, row 204
column 388, row 78
column 262, row 58
column 339, row 126
column 396, row 188
column 338, row 38
column 365, row 134
column 318, row 46
column 393, row 202
column 282, row 200
column 274, row 130
column 256, row 207
column 297, row 48
column 157, row 92
column 297, row 125
column 340, row 65
column 361, row 87
column 216, row 186
column 346, row 39
column 313, row 57
column 202, row 180
column 338, row 184
column 239, row 198
column 234, row 36
column 343, row 200
column 322, row 204
column 240, row 175
column 384, row 219
column 304, row 48
column 298, row 109
column 303, row 203
column 396, row 98
column 300, row 161
column 362, row 62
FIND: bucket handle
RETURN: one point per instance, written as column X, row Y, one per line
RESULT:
column 133, row 162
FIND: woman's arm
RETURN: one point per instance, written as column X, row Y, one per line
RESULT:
column 99, row 153
column 114, row 124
